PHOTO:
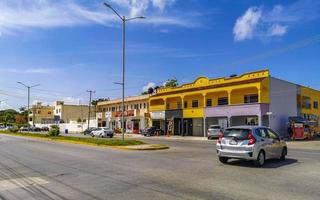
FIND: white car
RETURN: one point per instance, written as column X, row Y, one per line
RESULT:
column 102, row 132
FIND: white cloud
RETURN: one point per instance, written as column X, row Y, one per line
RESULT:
column 277, row 30
column 149, row 85
column 27, row 14
column 28, row 70
column 138, row 7
column 261, row 22
column 72, row 101
column 246, row 24
column 162, row 4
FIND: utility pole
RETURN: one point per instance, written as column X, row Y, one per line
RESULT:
column 90, row 99
column 29, row 87
column 123, row 20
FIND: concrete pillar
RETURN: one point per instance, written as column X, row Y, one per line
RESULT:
column 204, row 127
column 182, row 127
column 204, row 117
column 260, row 120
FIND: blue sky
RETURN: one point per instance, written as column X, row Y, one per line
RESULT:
column 71, row 46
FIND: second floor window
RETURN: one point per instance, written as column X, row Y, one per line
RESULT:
column 168, row 105
column 195, row 104
column 252, row 98
column 185, row 104
column 223, row 101
column 209, row 102
column 306, row 102
column 315, row 105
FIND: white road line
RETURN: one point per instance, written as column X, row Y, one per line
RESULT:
column 17, row 183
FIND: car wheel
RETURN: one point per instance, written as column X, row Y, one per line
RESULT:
column 92, row 135
column 223, row 159
column 260, row 159
column 111, row 136
column 283, row 154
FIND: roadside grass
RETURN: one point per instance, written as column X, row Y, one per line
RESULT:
column 79, row 140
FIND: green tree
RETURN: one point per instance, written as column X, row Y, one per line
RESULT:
column 8, row 116
column 171, row 82
column 95, row 102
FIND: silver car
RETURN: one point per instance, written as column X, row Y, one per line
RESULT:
column 214, row 131
column 250, row 143
column 102, row 132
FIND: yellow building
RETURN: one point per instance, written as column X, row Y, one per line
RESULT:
column 308, row 103
column 109, row 113
column 253, row 98
column 41, row 114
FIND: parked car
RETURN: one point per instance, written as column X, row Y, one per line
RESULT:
column 4, row 128
column 88, row 131
column 24, row 129
column 153, row 130
column 250, row 143
column 35, row 129
column 102, row 132
column 45, row 129
column 214, row 132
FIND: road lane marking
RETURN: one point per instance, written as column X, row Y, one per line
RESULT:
column 17, row 183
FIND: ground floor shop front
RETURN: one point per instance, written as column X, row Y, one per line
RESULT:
column 132, row 125
column 173, row 122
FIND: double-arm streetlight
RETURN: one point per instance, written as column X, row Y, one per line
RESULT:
column 28, row 87
column 124, row 20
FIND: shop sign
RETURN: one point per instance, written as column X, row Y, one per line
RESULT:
column 127, row 113
column 158, row 115
column 99, row 115
column 108, row 115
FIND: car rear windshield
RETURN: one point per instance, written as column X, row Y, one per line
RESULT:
column 215, row 127
column 238, row 133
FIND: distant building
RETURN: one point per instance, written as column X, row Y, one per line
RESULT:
column 109, row 113
column 64, row 113
column 41, row 114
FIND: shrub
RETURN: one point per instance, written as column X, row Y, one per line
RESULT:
column 14, row 130
column 54, row 130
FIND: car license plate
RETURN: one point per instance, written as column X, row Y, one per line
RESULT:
column 233, row 142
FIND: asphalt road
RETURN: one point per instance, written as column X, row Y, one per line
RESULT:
column 31, row 169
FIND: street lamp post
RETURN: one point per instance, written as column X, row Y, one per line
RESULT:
column 124, row 20
column 29, row 87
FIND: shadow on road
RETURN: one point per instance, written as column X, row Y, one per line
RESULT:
column 273, row 163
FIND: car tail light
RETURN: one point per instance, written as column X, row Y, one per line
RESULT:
column 220, row 137
column 251, row 138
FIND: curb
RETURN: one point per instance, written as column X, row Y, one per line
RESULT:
column 143, row 147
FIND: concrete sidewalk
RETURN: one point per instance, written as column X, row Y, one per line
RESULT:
column 172, row 137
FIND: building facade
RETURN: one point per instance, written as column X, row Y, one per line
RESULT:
column 41, row 114
column 253, row 98
column 109, row 113
column 64, row 113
